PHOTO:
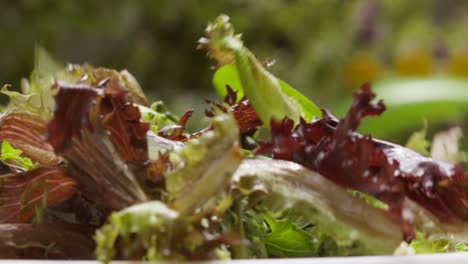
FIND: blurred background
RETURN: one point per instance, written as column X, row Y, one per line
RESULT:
column 324, row 48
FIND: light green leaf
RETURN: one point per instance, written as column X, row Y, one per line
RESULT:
column 207, row 162
column 418, row 141
column 16, row 97
column 157, row 116
column 227, row 75
column 42, row 78
column 139, row 226
column 10, row 154
column 308, row 108
column 287, row 186
column 287, row 240
column 423, row 245
column 461, row 247
column 369, row 199
column 270, row 97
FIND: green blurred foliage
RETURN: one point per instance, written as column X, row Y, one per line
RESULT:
column 322, row 47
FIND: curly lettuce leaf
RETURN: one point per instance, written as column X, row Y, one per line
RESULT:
column 148, row 225
column 100, row 134
column 424, row 245
column 271, row 97
column 152, row 231
column 409, row 101
column 389, row 172
column 37, row 92
column 157, row 115
column 255, row 230
column 207, row 162
column 282, row 185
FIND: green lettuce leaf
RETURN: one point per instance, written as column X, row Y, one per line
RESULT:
column 157, row 115
column 39, row 86
column 149, row 226
column 152, row 231
column 423, row 245
column 271, row 97
column 371, row 200
column 289, row 189
column 418, row 141
column 288, row 240
column 207, row 162
column 12, row 155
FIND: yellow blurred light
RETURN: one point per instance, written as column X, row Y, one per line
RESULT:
column 414, row 62
column 458, row 63
column 361, row 68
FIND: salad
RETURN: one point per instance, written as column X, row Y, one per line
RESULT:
column 92, row 170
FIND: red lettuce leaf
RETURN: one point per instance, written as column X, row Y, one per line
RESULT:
column 122, row 119
column 387, row 171
column 26, row 132
column 71, row 114
column 99, row 132
column 46, row 241
column 176, row 132
column 20, row 193
column 80, row 107
column 247, row 119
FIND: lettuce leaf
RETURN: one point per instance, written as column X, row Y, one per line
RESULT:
column 147, row 225
column 11, row 154
column 247, row 75
column 288, row 240
column 24, row 195
column 157, row 115
column 424, row 245
column 280, row 186
column 26, row 131
column 207, row 162
column 418, row 142
column 152, row 231
column 99, row 133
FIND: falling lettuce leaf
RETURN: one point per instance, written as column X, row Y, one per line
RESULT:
column 250, row 78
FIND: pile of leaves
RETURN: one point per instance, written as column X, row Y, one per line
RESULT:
column 91, row 170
